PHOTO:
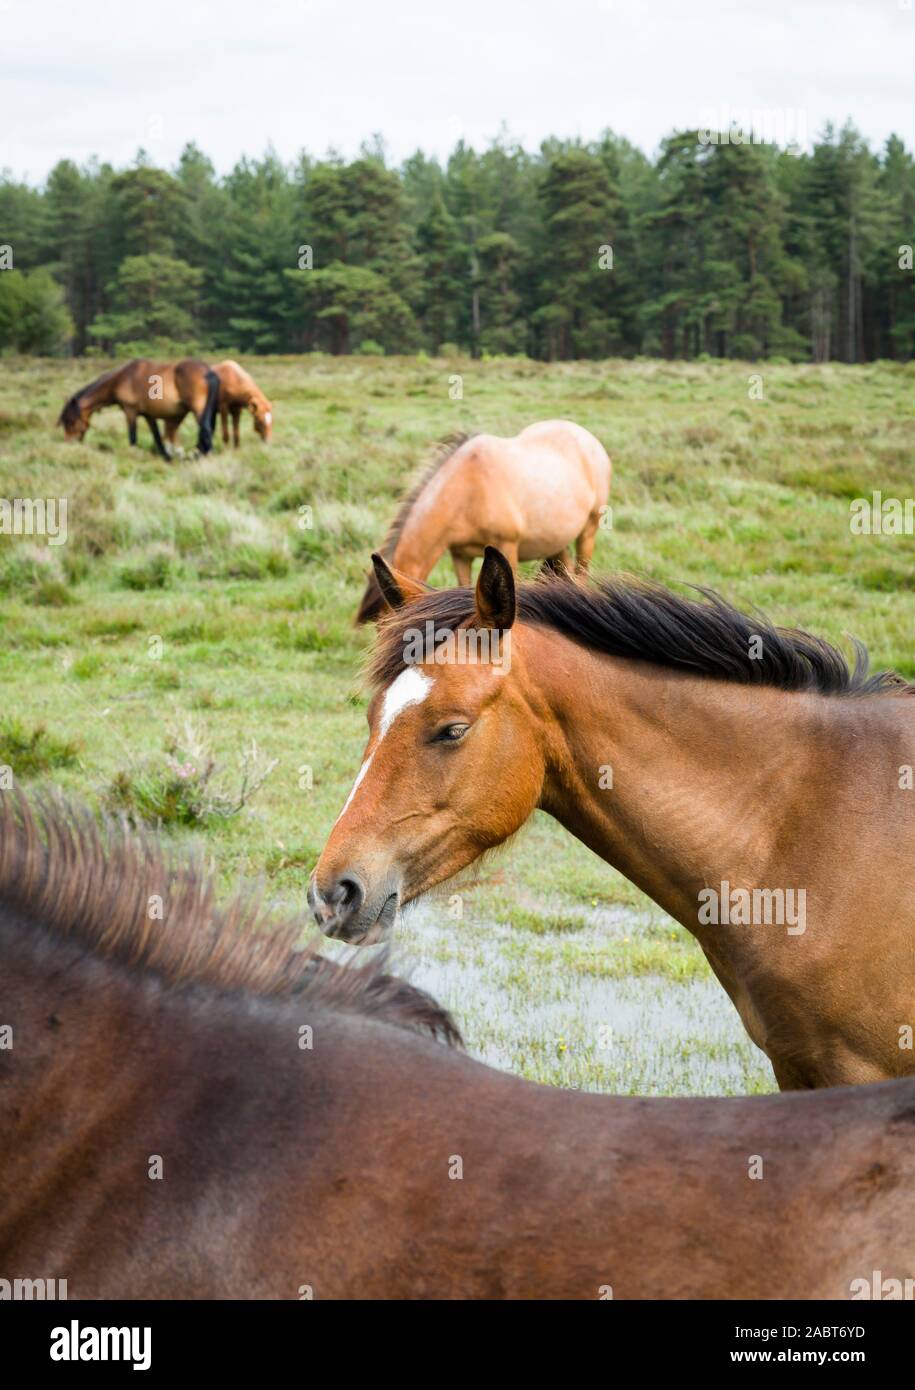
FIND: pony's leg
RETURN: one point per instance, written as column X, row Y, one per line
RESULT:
column 131, row 415
column 584, row 546
column 236, row 425
column 157, row 438
column 224, row 419
column 462, row 568
column 171, row 436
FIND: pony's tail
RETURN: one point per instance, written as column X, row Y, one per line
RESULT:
column 208, row 422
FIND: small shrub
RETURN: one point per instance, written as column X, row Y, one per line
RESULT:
column 183, row 788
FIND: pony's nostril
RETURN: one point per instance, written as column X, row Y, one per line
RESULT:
column 348, row 895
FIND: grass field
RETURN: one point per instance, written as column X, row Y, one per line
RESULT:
column 190, row 616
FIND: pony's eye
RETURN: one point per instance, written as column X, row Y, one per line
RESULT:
column 452, row 733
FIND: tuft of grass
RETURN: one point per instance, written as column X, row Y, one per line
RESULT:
column 154, row 572
column 52, row 593
column 31, row 752
column 113, row 625
column 248, row 561
column 87, row 666
column 25, row 568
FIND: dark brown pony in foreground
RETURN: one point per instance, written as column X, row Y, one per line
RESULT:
column 534, row 495
column 151, row 391
column 191, row 1106
column 725, row 766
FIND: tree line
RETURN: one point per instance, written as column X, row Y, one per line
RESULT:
column 732, row 250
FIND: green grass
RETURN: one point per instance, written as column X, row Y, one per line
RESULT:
column 197, row 590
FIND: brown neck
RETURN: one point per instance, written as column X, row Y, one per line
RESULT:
column 711, row 780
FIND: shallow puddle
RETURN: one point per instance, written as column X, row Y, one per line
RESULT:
column 522, row 1009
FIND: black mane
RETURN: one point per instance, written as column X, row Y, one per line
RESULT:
column 636, row 618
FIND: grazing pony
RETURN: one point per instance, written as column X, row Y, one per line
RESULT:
column 192, row 1106
column 152, row 391
column 740, row 774
column 532, row 495
column 239, row 391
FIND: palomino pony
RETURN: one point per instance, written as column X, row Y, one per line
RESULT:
column 193, row 1107
column 532, row 495
column 740, row 774
column 152, row 391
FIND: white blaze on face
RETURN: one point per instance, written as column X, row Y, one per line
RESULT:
column 268, row 417
column 410, row 688
column 359, row 776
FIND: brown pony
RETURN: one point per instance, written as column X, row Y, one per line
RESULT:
column 740, row 774
column 532, row 495
column 192, row 1106
column 152, row 391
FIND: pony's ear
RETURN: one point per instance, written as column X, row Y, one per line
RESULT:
column 397, row 589
column 495, row 593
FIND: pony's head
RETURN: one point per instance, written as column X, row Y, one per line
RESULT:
column 262, row 415
column 453, row 764
column 74, row 418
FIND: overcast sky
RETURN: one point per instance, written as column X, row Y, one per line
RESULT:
column 104, row 77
